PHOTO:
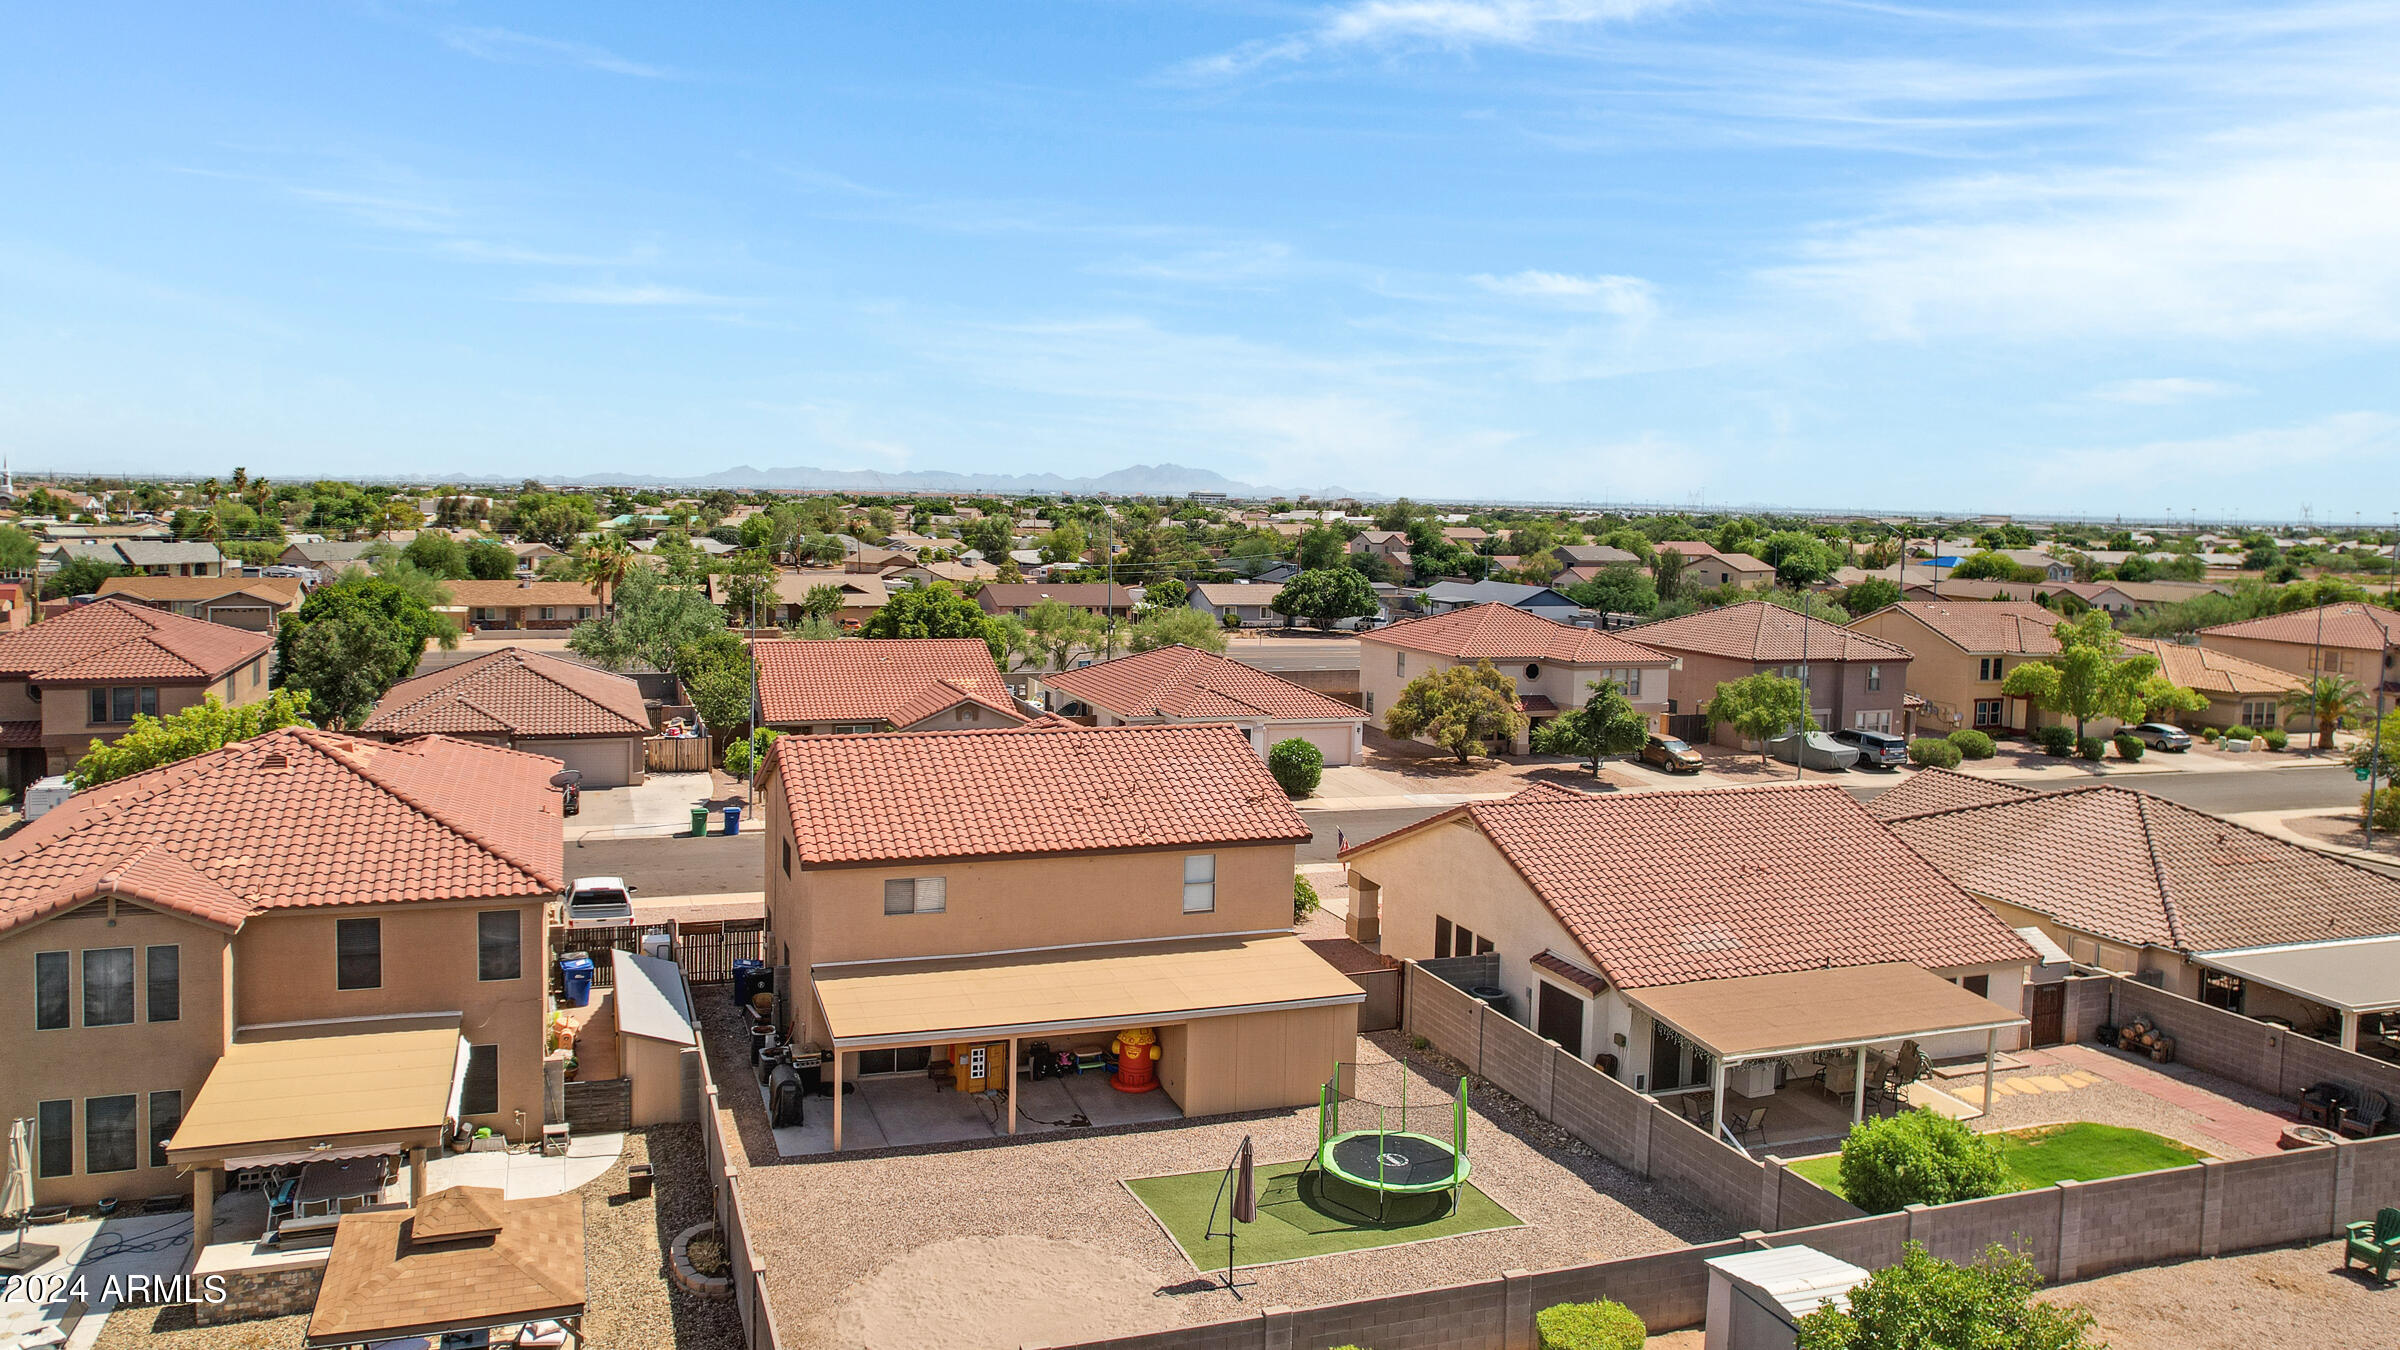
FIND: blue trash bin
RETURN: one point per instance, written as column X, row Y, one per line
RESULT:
column 576, row 973
column 733, row 820
column 749, row 977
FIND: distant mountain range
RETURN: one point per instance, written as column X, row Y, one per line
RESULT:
column 1141, row 480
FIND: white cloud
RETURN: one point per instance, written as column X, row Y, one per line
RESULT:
column 632, row 295
column 2342, row 443
column 1384, row 24
column 2162, row 391
column 524, row 49
column 1629, row 298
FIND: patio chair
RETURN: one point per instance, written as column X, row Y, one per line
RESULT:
column 2374, row 1244
column 2374, row 1110
column 1752, row 1128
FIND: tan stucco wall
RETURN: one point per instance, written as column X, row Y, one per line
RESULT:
column 17, row 703
column 1255, row 1061
column 284, row 972
column 656, row 1071
column 963, row 717
column 66, row 710
column 140, row 1058
column 2297, row 658
column 1941, row 674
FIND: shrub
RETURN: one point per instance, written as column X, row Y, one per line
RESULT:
column 1231, row 619
column 1939, row 754
column 1971, row 743
column 2090, row 747
column 743, row 753
column 1304, row 899
column 2276, row 738
column 2241, row 733
column 1925, row 1301
column 2208, row 735
column 1604, row 1325
column 1298, row 767
column 2128, row 747
column 1918, row 1158
column 2054, row 740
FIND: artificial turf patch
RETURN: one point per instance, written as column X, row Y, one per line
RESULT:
column 1292, row 1226
column 2053, row 1153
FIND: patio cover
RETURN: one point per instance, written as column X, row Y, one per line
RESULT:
column 1072, row 989
column 463, row 1260
column 2361, row 976
column 328, row 1092
column 1763, row 1016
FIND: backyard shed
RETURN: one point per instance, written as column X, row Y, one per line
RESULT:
column 1755, row 1299
column 655, row 1039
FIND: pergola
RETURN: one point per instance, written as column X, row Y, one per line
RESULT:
column 1742, row 1019
column 466, row 1259
column 2355, row 978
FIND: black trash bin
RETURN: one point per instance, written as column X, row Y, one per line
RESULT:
column 784, row 1090
column 749, row 977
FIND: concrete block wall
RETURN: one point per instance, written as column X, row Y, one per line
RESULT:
column 1443, row 1014
column 2283, row 1197
column 2258, row 1054
column 1713, row 1173
column 1874, row 1241
column 2130, row 1221
column 272, row 1291
column 1666, row 1290
column 1518, row 1062
column 1801, row 1203
column 1458, row 1317
column 1592, row 1105
column 2025, row 1222
column 2087, row 1006
column 2374, row 1177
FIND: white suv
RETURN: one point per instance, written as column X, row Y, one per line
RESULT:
column 599, row 902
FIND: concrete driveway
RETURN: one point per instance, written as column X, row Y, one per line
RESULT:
column 661, row 805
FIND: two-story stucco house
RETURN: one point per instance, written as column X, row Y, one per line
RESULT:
column 1853, row 680
column 1963, row 652
column 305, row 944
column 1555, row 665
column 816, row 687
column 952, row 897
column 83, row 676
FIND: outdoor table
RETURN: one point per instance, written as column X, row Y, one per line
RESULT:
column 325, row 1186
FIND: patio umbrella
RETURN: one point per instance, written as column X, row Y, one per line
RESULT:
column 1245, row 1188
column 16, row 1197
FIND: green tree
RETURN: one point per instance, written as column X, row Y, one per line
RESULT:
column 81, row 576
column 749, row 585
column 20, row 552
column 2329, row 700
column 1619, row 588
column 1462, row 709
column 1606, row 724
column 990, row 535
column 605, row 561
column 1325, row 596
column 1990, row 566
column 2162, row 699
column 553, row 518
column 721, row 696
column 437, row 553
column 1056, row 630
column 2090, row 677
column 937, row 610
column 1176, row 627
column 1870, row 595
column 821, row 602
column 1925, row 1303
column 208, row 725
column 1761, row 707
column 649, row 622
column 1801, row 559
column 491, row 560
column 1667, row 575
column 355, row 637
column 1919, row 1157
column 1298, row 766
column 1166, row 593
column 1064, row 544
column 1321, row 547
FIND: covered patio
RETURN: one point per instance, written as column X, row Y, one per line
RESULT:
column 463, row 1260
column 1801, row 1056
column 2346, row 991
column 978, row 1015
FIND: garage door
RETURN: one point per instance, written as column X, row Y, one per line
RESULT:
column 1333, row 740
column 603, row 763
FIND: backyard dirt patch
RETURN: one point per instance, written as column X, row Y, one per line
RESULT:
column 988, row 1293
column 2281, row 1296
column 1418, row 767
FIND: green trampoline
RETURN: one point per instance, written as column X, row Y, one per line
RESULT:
column 1375, row 1148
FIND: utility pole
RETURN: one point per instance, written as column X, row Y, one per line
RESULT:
column 2374, row 764
column 1108, row 612
column 1800, row 745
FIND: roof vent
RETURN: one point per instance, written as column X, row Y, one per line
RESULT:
column 274, row 759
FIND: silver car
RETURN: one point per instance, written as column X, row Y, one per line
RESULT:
column 2161, row 736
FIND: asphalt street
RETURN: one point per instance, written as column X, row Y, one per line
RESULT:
column 2217, row 793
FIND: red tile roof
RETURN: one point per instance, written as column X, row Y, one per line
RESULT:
column 516, row 692
column 2138, row 869
column 297, row 817
column 1986, row 625
column 2214, row 672
column 283, row 592
column 901, row 681
column 1185, row 684
column 1759, row 631
column 506, row 594
column 122, row 640
column 1928, row 790
column 900, row 796
column 2367, row 627
column 1668, row 887
column 1504, row 633
column 998, row 596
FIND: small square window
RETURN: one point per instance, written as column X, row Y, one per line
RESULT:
column 1200, row 883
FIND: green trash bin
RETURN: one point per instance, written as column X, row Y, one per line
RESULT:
column 699, row 821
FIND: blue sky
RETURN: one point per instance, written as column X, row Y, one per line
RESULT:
column 2097, row 257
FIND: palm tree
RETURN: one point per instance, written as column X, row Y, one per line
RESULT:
column 2328, row 699
column 209, row 491
column 604, row 560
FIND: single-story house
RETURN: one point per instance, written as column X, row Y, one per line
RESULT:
column 589, row 720
column 1444, row 596
column 2240, row 693
column 510, row 605
column 881, row 684
column 1019, row 597
column 1244, row 602
column 1182, row 684
column 1708, row 566
column 255, row 603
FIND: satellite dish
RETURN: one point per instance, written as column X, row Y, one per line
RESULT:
column 566, row 778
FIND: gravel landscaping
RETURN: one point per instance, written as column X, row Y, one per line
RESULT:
column 2279, row 1296
column 1063, row 1194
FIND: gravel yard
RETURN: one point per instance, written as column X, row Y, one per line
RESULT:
column 1064, row 1191
column 2279, row 1296
column 632, row 1301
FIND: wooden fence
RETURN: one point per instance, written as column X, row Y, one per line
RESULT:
column 675, row 754
column 705, row 951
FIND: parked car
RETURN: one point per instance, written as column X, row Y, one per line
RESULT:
column 2161, row 736
column 1823, row 751
column 599, row 902
column 1671, row 754
column 1879, row 748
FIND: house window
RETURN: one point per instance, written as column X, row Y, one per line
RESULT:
column 163, row 969
column 1874, row 678
column 1533, row 672
column 1987, row 712
column 1978, row 985
column 358, row 954
column 1441, row 936
column 254, row 676
column 166, row 1112
column 916, row 895
column 1989, row 668
column 903, row 1059
column 57, row 1128
column 499, row 944
column 1200, row 883
column 1628, row 678
column 787, row 857
column 108, row 987
column 1400, row 663
column 548, row 612
column 1367, row 701
column 480, row 1095
column 108, row 1134
column 53, row 1001
column 2258, row 716
column 1878, row 720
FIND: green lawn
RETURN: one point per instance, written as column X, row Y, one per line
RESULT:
column 1289, row 1227
column 2053, row 1153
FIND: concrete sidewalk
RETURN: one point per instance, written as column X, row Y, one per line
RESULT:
column 2278, row 824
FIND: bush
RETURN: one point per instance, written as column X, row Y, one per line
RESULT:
column 1938, row 754
column 2055, row 740
column 2090, row 747
column 2240, row 733
column 1304, row 899
column 1918, row 1158
column 2208, row 735
column 2386, row 808
column 1604, row 1325
column 2276, row 738
column 2128, row 747
column 743, row 753
column 1971, row 743
column 1298, row 767
column 1231, row 619
column 1925, row 1301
